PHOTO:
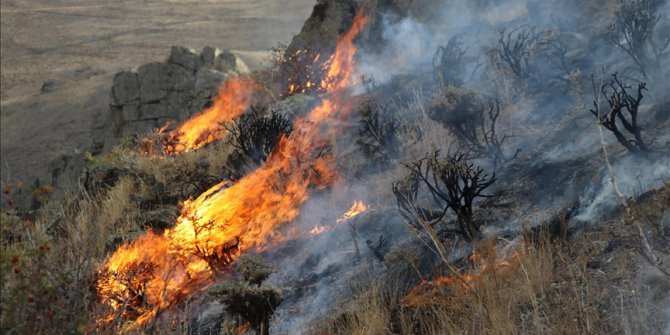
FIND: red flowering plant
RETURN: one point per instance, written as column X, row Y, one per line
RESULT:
column 32, row 296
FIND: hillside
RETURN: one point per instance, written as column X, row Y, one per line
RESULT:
column 425, row 167
column 76, row 47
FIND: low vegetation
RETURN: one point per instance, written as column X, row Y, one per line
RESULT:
column 500, row 240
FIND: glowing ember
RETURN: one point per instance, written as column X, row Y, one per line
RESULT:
column 318, row 230
column 157, row 272
column 233, row 99
column 434, row 292
column 357, row 208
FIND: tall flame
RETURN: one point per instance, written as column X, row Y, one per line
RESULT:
column 157, row 272
column 233, row 99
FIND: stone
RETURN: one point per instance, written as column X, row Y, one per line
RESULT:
column 181, row 79
column 116, row 113
column 177, row 103
column 227, row 62
column 131, row 111
column 154, row 111
column 207, row 82
column 141, row 127
column 185, row 57
column 160, row 91
column 125, row 88
column 154, row 80
column 48, row 86
column 208, row 55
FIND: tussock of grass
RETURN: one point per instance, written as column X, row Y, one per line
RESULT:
column 595, row 282
column 552, row 290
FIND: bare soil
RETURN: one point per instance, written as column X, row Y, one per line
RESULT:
column 78, row 45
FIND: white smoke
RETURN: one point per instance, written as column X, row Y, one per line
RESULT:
column 634, row 175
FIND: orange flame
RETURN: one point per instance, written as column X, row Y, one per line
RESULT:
column 157, row 272
column 356, row 208
column 233, row 99
column 319, row 230
column 429, row 293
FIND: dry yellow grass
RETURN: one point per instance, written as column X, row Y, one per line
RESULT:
column 550, row 291
column 581, row 285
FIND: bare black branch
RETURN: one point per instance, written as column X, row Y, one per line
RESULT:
column 255, row 134
column 475, row 126
column 633, row 32
column 623, row 109
column 453, row 183
column 378, row 136
column 514, row 50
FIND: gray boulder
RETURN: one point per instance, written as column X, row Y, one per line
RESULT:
column 185, row 57
column 126, row 88
column 154, row 80
column 144, row 99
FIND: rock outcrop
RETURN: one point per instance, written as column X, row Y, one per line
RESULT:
column 146, row 98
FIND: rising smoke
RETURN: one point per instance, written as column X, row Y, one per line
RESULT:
column 549, row 120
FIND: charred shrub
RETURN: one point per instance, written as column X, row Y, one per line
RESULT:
column 622, row 112
column 551, row 56
column 536, row 58
column 449, row 61
column 378, row 136
column 248, row 300
column 463, row 112
column 633, row 32
column 255, row 134
column 455, row 104
column 452, row 183
column 514, row 51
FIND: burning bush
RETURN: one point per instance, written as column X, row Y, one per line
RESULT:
column 248, row 300
column 453, row 183
column 462, row 111
column 623, row 109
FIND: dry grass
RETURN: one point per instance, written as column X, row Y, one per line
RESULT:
column 47, row 267
column 48, row 264
column 592, row 283
column 550, row 291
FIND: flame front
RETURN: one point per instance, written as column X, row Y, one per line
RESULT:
column 428, row 293
column 157, row 272
column 233, row 99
